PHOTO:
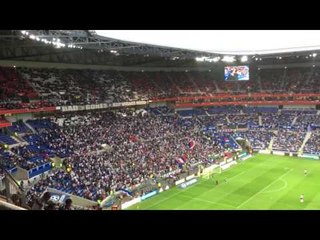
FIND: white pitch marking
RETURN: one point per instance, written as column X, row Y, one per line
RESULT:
column 264, row 188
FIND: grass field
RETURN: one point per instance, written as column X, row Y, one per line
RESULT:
column 261, row 182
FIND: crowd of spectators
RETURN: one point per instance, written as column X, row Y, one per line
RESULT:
column 288, row 140
column 80, row 87
column 312, row 146
column 104, row 151
column 258, row 139
column 141, row 147
column 144, row 147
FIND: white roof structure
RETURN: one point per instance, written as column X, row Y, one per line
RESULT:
column 236, row 42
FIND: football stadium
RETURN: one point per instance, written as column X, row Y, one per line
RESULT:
column 118, row 120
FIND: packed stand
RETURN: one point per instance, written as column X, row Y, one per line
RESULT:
column 312, row 146
column 288, row 140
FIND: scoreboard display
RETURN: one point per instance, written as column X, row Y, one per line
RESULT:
column 236, row 73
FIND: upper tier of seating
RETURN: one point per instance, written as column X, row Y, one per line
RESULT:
column 71, row 87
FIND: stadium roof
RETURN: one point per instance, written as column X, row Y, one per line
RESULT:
column 241, row 42
column 180, row 49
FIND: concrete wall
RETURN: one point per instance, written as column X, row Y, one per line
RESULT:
column 17, row 117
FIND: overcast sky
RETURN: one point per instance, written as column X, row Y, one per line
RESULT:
column 224, row 41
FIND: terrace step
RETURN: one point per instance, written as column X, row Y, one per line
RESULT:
column 306, row 138
column 294, row 121
column 29, row 126
column 271, row 143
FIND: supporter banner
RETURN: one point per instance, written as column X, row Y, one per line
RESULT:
column 69, row 108
column 171, row 173
column 188, row 183
column 99, row 106
column 190, row 177
column 58, row 197
column 130, row 203
column 141, row 102
column 148, row 195
column 126, row 104
column 116, row 104
column 180, row 181
column 265, row 151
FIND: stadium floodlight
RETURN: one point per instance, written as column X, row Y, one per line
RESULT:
column 280, row 57
column 313, row 65
column 244, row 58
column 216, row 59
column 23, row 32
column 207, row 59
column 200, row 59
column 228, row 59
column 32, row 36
column 314, row 55
column 256, row 59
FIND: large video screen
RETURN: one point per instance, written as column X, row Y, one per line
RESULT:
column 236, row 73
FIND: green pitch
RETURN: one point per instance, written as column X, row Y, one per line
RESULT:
column 261, row 182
